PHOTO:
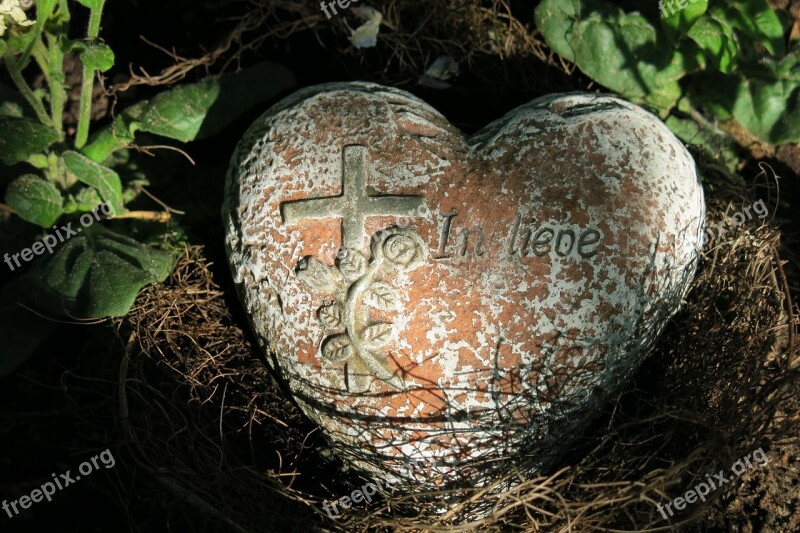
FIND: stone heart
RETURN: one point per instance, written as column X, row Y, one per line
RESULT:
column 430, row 296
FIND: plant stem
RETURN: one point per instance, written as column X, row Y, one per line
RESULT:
column 56, row 82
column 26, row 91
column 88, row 80
column 40, row 54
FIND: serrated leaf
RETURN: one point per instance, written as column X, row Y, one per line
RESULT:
column 97, row 273
column 382, row 296
column 97, row 56
column 102, row 178
column 330, row 316
column 337, row 348
column 35, row 200
column 680, row 20
column 624, row 52
column 200, row 110
column 318, row 276
column 21, row 138
column 353, row 265
column 378, row 334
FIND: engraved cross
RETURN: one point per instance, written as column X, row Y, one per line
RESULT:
column 355, row 204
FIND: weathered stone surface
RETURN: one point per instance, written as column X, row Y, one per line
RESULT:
column 427, row 295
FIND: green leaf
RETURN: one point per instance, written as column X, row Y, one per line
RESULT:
column 44, row 8
column 765, row 100
column 623, row 52
column 35, row 200
column 102, row 178
column 717, row 41
column 681, row 19
column 87, row 199
column 756, row 21
column 19, row 41
column 20, row 138
column 21, row 331
column 200, row 110
column 97, row 56
column 97, row 273
column 714, row 145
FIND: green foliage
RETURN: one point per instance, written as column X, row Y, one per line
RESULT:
column 95, row 56
column 103, row 179
column 93, row 272
column 34, row 200
column 97, row 273
column 21, row 138
column 728, row 59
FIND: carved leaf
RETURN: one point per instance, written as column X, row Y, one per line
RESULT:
column 319, row 276
column 400, row 249
column 378, row 334
column 337, row 348
column 330, row 316
column 382, row 296
column 353, row 265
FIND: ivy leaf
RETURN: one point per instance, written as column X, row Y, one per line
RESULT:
column 97, row 273
column 624, row 52
column 681, row 20
column 35, row 200
column 353, row 265
column 337, row 348
column 382, row 296
column 200, row 110
column 21, row 138
column 102, row 178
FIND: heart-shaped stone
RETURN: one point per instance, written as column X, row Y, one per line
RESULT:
column 428, row 296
